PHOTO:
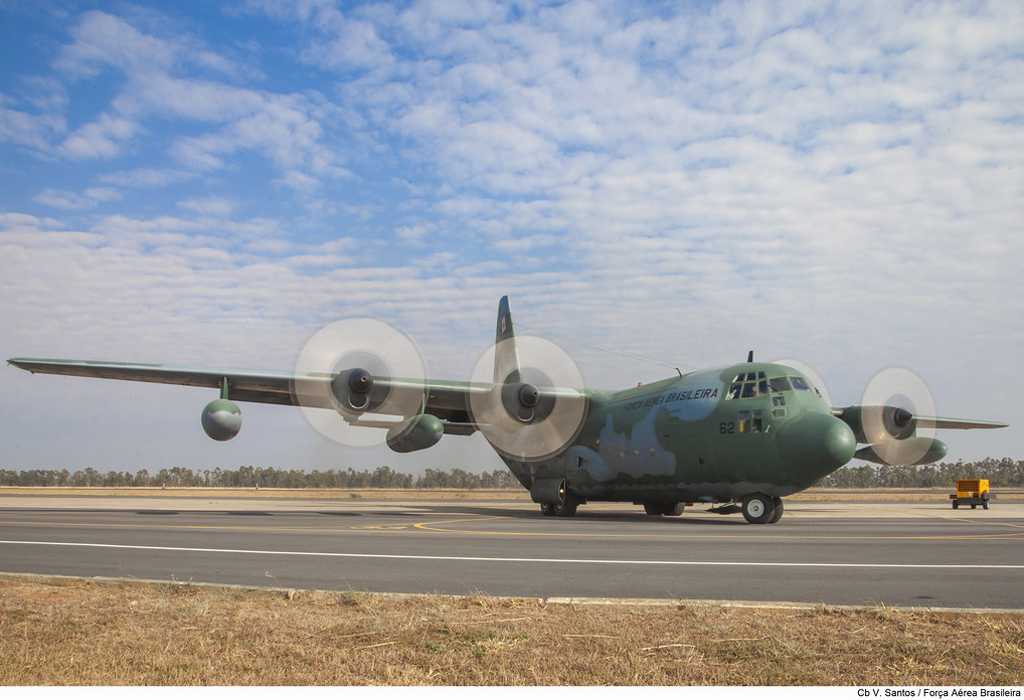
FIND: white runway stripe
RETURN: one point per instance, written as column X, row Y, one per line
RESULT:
column 524, row 560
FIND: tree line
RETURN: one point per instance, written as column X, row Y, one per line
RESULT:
column 263, row 477
column 1004, row 473
column 1000, row 473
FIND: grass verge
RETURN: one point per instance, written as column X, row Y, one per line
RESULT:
column 60, row 632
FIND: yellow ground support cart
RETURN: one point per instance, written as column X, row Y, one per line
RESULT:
column 971, row 492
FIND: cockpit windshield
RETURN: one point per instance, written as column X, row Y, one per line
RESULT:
column 801, row 384
column 747, row 385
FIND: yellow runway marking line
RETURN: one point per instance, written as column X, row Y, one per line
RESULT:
column 248, row 528
column 705, row 536
column 437, row 526
column 433, row 527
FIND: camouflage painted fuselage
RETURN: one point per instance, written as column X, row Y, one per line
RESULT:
column 714, row 436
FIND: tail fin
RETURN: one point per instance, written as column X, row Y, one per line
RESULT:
column 506, row 357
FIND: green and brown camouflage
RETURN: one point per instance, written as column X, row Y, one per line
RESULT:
column 745, row 435
column 687, row 439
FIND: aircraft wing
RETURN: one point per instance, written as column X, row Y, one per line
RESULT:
column 447, row 400
column 246, row 385
column 894, row 419
column 956, row 423
column 518, row 418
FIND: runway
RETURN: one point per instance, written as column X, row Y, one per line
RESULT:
column 893, row 554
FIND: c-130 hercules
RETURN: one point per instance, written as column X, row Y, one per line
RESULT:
column 743, row 436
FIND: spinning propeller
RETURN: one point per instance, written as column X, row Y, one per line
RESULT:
column 534, row 405
column 523, row 396
column 896, row 416
column 339, row 368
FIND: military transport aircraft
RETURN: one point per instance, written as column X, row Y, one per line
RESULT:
column 743, row 436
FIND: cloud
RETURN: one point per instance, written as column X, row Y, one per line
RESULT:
column 102, row 40
column 209, row 206
column 103, row 138
column 146, row 177
column 62, row 199
column 836, row 183
column 162, row 80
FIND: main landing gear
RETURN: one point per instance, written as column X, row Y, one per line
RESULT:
column 664, row 508
column 565, row 509
column 759, row 509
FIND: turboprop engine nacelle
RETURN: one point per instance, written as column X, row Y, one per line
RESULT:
column 910, row 452
column 891, row 435
column 419, row 434
column 877, row 423
column 222, row 419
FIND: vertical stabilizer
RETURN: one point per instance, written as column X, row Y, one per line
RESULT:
column 506, row 357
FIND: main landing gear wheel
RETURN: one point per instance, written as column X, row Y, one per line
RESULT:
column 760, row 509
column 658, row 509
column 565, row 509
column 778, row 511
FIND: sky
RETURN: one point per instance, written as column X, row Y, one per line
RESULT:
column 655, row 186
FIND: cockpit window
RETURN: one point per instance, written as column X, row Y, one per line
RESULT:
column 747, row 385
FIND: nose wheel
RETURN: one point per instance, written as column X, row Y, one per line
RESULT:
column 759, row 509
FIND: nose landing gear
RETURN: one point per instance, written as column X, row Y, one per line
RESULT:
column 759, row 509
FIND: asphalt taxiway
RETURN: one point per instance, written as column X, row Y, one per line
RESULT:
column 907, row 554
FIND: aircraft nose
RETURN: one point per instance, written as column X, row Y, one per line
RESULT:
column 815, row 444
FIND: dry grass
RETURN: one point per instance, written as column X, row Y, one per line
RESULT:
column 78, row 633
